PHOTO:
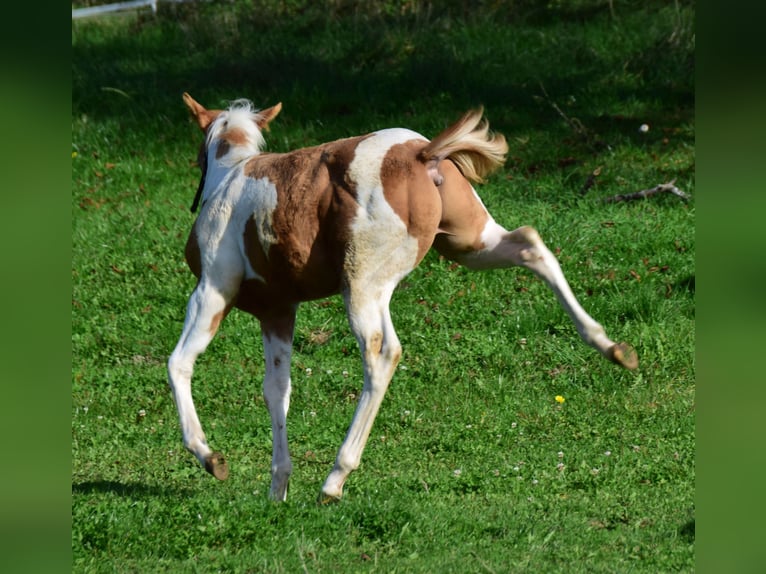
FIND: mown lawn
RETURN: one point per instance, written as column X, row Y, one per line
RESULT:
column 472, row 465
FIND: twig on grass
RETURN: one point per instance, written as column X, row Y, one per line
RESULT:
column 590, row 181
column 644, row 193
column 576, row 125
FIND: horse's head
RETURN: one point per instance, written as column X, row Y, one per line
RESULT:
column 231, row 135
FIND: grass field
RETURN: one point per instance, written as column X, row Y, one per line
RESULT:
column 472, row 465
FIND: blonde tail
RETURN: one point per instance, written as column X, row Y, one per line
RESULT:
column 470, row 145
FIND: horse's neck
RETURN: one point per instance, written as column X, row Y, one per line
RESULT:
column 220, row 174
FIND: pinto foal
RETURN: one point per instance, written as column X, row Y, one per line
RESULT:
column 353, row 216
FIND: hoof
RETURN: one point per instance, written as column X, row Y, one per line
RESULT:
column 216, row 465
column 279, row 493
column 325, row 499
column 623, row 354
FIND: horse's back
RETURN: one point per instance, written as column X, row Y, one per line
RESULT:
column 314, row 216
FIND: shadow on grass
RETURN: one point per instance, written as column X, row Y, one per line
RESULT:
column 128, row 490
column 688, row 530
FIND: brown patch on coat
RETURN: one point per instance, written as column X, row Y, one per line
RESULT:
column 316, row 203
column 222, row 149
column 280, row 324
column 192, row 253
column 410, row 191
column 216, row 322
column 229, row 139
column 375, row 344
column 463, row 216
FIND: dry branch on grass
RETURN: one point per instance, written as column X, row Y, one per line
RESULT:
column 574, row 123
column 590, row 181
column 644, row 193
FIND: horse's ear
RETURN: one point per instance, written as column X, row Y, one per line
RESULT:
column 264, row 117
column 203, row 116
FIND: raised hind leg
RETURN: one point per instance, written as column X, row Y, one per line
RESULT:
column 471, row 236
column 206, row 308
column 524, row 247
column 371, row 323
column 278, row 346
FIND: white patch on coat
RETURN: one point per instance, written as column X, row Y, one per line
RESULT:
column 381, row 249
column 261, row 200
column 492, row 234
column 221, row 225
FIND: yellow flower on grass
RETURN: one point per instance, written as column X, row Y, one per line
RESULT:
column 560, row 399
column 74, row 154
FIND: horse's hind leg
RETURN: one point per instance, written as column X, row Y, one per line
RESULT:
column 371, row 323
column 524, row 247
column 206, row 308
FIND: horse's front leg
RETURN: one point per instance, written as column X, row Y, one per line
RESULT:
column 278, row 346
column 207, row 306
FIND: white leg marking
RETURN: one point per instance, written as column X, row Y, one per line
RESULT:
column 276, row 392
column 381, row 350
column 204, row 311
column 381, row 252
column 525, row 248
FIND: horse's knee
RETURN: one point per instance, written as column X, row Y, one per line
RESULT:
column 178, row 369
column 375, row 344
column 381, row 348
column 276, row 392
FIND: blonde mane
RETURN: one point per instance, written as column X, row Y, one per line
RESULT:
column 242, row 118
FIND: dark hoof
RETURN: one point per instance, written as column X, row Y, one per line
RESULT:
column 325, row 499
column 216, row 465
column 623, row 354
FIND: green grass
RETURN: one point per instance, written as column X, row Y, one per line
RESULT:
column 461, row 473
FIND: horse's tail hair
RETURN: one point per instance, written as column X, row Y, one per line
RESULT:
column 475, row 150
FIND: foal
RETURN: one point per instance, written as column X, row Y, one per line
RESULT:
column 352, row 216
